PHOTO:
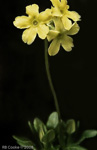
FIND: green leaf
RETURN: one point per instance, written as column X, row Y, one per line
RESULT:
column 53, row 120
column 70, row 126
column 22, row 141
column 78, row 124
column 75, row 147
column 31, row 126
column 25, row 145
column 48, row 137
column 61, row 131
column 87, row 134
column 41, row 133
column 39, row 125
column 57, row 147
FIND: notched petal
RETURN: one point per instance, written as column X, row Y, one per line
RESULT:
column 63, row 3
column 74, row 29
column 32, row 10
column 67, row 43
column 66, row 22
column 45, row 16
column 29, row 35
column 55, row 3
column 56, row 12
column 54, row 47
column 52, row 34
column 22, row 22
column 73, row 15
column 42, row 31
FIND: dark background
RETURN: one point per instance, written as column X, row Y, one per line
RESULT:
column 24, row 88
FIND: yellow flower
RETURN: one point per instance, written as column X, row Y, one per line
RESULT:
column 60, row 9
column 34, row 23
column 60, row 37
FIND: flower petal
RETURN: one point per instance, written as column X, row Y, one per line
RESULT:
column 73, row 15
column 66, row 22
column 63, row 3
column 67, row 43
column 58, row 24
column 55, row 3
column 29, row 35
column 54, row 47
column 42, row 31
column 32, row 10
column 56, row 12
column 22, row 22
column 74, row 29
column 52, row 34
column 45, row 15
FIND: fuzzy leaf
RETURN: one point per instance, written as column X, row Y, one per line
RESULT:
column 48, row 137
column 61, row 131
column 31, row 126
column 70, row 126
column 78, row 124
column 41, row 133
column 87, row 134
column 75, row 147
column 39, row 125
column 22, row 141
column 53, row 120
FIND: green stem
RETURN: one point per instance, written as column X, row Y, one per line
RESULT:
column 49, row 77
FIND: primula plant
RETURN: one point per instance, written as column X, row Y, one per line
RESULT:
column 55, row 25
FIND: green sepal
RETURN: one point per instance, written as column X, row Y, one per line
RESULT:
column 53, row 120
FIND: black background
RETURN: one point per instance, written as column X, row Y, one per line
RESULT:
column 24, row 88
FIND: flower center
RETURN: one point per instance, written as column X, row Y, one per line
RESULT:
column 62, row 11
column 35, row 22
column 59, row 36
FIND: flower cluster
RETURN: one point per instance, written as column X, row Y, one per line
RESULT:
column 55, row 24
